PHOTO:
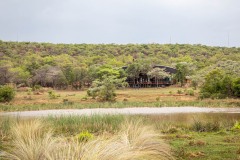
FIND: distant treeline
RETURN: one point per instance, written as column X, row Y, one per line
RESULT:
column 60, row 65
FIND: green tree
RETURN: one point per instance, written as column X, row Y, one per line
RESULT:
column 19, row 75
column 51, row 76
column 182, row 71
column 5, row 74
column 68, row 73
column 80, row 77
column 107, row 71
column 218, row 85
column 133, row 71
column 105, row 89
column 158, row 73
column 236, row 87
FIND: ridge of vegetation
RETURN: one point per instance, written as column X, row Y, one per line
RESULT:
column 67, row 64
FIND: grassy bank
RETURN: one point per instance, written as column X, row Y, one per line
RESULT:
column 145, row 97
column 196, row 103
column 200, row 139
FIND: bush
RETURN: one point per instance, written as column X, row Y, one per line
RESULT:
column 203, row 95
column 105, row 89
column 36, row 87
column 52, row 95
column 236, row 126
column 84, row 136
column 194, row 84
column 218, row 96
column 93, row 92
column 236, row 87
column 29, row 91
column 179, row 91
column 7, row 93
column 190, row 92
column 220, row 85
column 84, row 98
column 206, row 126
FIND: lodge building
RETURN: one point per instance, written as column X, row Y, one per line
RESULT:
column 144, row 81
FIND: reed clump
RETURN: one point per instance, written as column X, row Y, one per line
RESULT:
column 30, row 141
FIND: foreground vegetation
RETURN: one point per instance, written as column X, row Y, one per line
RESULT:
column 30, row 141
column 103, row 136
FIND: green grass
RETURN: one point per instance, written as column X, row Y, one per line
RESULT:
column 27, row 107
column 213, row 146
column 97, row 124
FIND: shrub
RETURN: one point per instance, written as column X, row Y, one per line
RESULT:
column 236, row 87
column 105, row 89
column 218, row 96
column 84, row 98
column 93, row 92
column 190, row 92
column 236, row 126
column 212, row 84
column 179, row 92
column 84, row 136
column 203, row 95
column 198, row 126
column 220, row 85
column 67, row 102
column 52, row 95
column 206, row 127
column 29, row 91
column 36, row 87
column 125, row 100
column 194, row 84
column 7, row 93
column 170, row 129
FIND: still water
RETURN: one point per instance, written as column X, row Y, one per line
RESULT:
column 160, row 114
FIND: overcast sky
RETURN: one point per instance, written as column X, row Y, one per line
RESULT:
column 209, row 22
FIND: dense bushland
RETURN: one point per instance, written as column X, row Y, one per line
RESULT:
column 78, row 65
column 75, row 66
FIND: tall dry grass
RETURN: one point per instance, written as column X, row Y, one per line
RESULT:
column 133, row 142
column 30, row 141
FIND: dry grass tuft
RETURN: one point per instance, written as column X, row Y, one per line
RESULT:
column 29, row 141
column 133, row 142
